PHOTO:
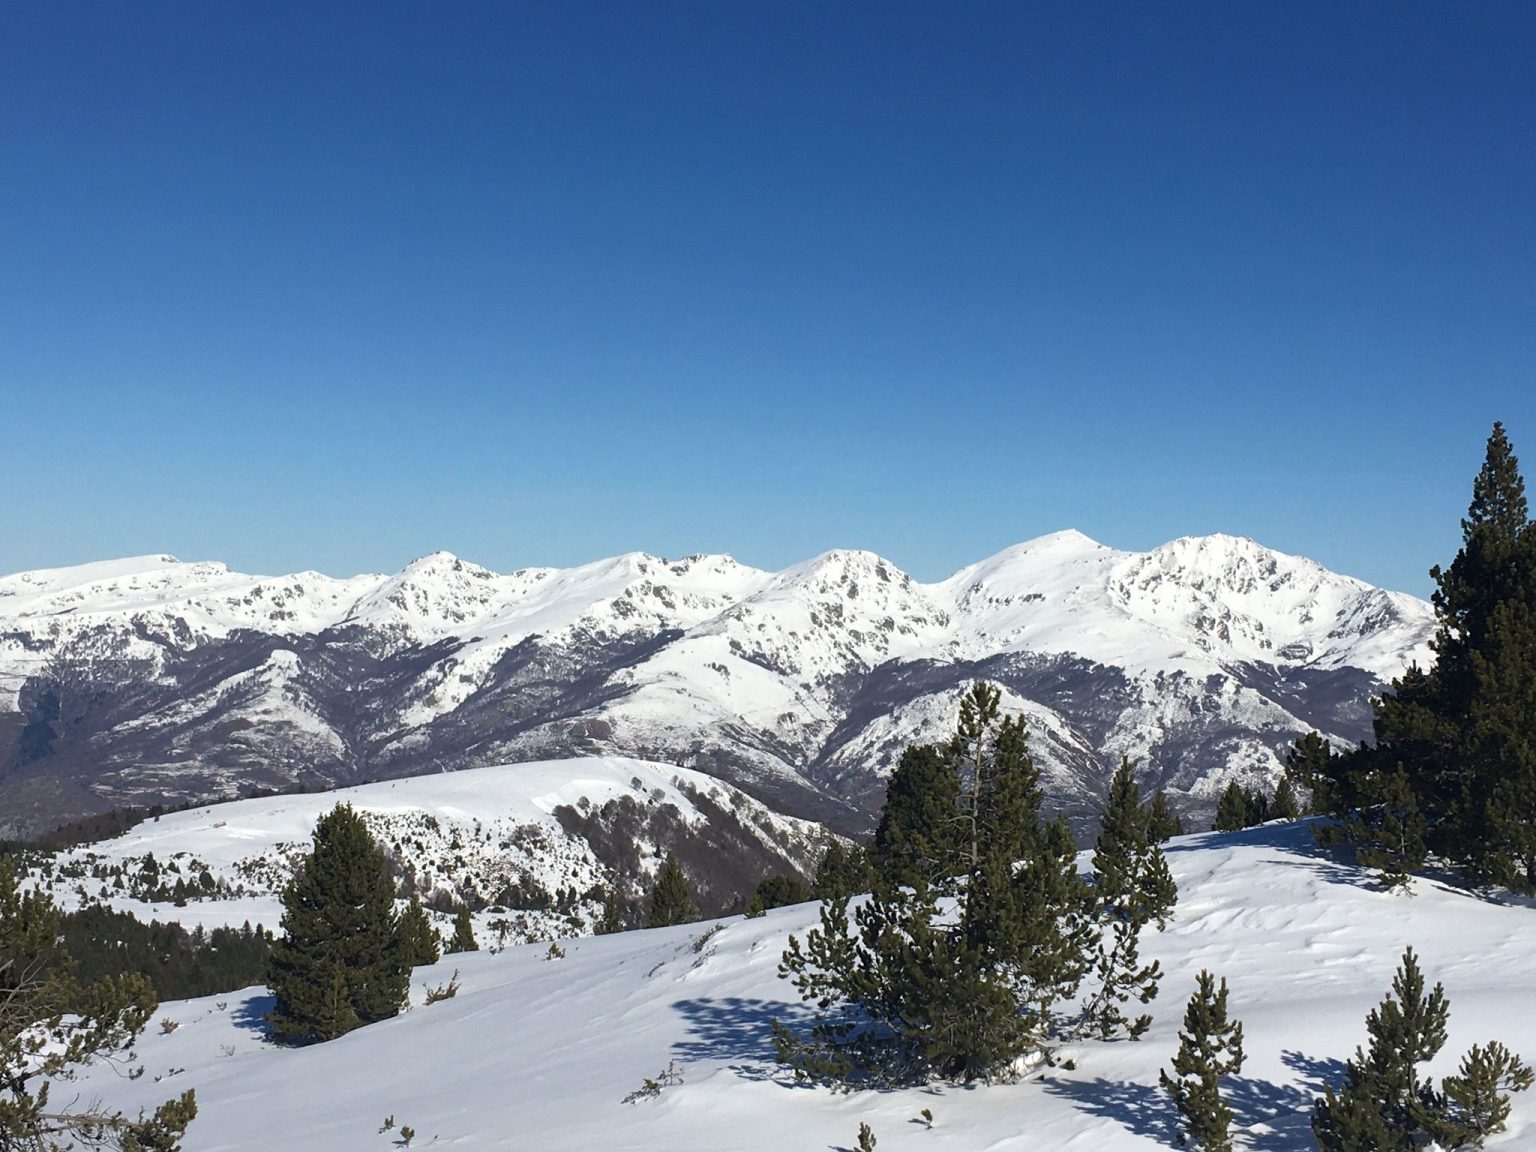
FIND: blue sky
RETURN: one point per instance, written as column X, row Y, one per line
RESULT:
column 330, row 286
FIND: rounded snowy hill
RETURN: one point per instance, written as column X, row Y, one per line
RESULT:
column 501, row 838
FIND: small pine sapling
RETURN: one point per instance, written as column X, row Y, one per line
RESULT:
column 555, row 952
column 867, row 1139
column 407, row 1134
column 1210, row 1047
column 927, row 1115
column 1382, row 1101
column 1474, row 1104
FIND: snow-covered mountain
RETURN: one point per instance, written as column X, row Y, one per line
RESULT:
column 535, row 850
column 538, row 1053
column 147, row 680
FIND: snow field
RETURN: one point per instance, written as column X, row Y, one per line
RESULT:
column 537, row 1054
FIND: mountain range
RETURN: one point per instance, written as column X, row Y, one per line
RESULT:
column 150, row 680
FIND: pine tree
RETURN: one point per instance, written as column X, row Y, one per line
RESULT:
column 418, row 939
column 613, row 913
column 1457, row 737
column 844, row 870
column 1210, row 1047
column 51, row 1026
column 1383, row 1106
column 672, row 899
column 1381, row 1101
column 918, row 827
column 1132, row 888
column 1389, row 834
column 777, row 892
column 1284, row 806
column 1474, row 1104
column 905, row 994
column 1163, row 824
column 340, row 963
column 463, row 933
column 1311, row 764
column 1231, row 809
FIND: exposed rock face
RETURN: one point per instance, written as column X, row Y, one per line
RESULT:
column 154, row 681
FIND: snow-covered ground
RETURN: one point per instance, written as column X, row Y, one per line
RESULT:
column 538, row 1053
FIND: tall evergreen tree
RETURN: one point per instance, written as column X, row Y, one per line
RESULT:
column 1164, row 824
column 418, row 939
column 672, row 899
column 51, row 1026
column 1231, row 809
column 1210, row 1047
column 919, row 823
column 340, row 963
column 463, row 939
column 844, row 870
column 1285, row 805
column 906, row 994
column 1132, row 889
column 1457, row 738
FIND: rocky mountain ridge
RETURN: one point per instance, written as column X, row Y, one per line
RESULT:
column 152, row 680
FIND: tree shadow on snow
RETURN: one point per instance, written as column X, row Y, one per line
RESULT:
column 1294, row 839
column 737, row 1030
column 1267, row 1117
column 251, row 1013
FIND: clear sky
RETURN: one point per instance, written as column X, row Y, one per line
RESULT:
column 331, row 286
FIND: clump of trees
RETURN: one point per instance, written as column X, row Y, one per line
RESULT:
column 50, row 1024
column 341, row 962
column 1452, row 769
column 1384, row 1104
column 978, row 926
column 1240, row 807
column 179, row 964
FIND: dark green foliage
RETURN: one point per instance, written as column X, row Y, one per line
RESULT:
column 1380, row 1103
column 1312, row 765
column 905, row 995
column 1162, row 823
column 613, row 913
column 1383, row 1106
column 1231, row 809
column 50, row 1025
column 844, row 870
column 1132, row 889
column 463, row 933
column 671, row 898
column 418, row 939
column 1453, row 768
column 1210, row 1047
column 867, row 1140
column 179, row 964
column 1284, row 806
column 1474, row 1104
column 778, row 892
column 919, row 825
column 1389, row 833
column 340, row 963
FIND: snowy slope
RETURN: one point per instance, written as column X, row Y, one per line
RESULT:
column 537, row 1054
column 147, row 680
column 490, row 835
